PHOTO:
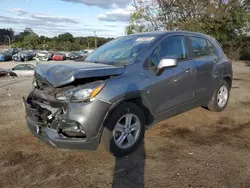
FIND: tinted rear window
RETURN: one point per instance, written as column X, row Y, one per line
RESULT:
column 200, row 47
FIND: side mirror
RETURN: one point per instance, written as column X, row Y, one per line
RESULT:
column 166, row 62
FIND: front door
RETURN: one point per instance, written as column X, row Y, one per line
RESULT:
column 176, row 85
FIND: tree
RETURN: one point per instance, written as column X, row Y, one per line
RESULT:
column 226, row 20
column 66, row 37
column 64, row 42
column 31, row 41
column 3, row 35
column 145, row 16
column 27, row 31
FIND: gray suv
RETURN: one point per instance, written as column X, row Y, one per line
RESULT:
column 125, row 87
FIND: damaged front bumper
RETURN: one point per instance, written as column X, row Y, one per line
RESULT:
column 50, row 124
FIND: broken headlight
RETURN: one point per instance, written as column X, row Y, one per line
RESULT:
column 34, row 83
column 81, row 94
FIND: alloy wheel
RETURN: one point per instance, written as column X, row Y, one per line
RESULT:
column 222, row 96
column 127, row 131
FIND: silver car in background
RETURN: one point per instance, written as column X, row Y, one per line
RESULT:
column 24, row 69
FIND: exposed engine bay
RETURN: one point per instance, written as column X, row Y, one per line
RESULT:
column 44, row 107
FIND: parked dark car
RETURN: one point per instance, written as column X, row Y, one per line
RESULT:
column 125, row 87
column 59, row 56
column 74, row 55
column 84, row 54
column 6, row 55
column 24, row 55
column 81, row 59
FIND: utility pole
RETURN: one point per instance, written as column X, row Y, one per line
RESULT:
column 88, row 44
column 9, row 40
column 95, row 39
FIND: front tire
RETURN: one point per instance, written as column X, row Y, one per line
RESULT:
column 124, row 129
column 220, row 97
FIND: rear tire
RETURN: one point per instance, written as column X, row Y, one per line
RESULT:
column 220, row 97
column 121, row 137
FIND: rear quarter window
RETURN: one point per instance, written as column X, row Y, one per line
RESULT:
column 200, row 47
column 211, row 48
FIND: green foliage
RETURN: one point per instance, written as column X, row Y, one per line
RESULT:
column 65, row 37
column 245, row 52
column 227, row 21
column 28, row 39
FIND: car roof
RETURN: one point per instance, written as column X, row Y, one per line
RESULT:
column 162, row 33
column 25, row 64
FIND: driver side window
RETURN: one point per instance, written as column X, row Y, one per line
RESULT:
column 174, row 46
column 153, row 60
column 19, row 67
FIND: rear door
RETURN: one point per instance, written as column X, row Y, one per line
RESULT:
column 205, row 57
column 29, row 70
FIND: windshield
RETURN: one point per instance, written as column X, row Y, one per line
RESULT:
column 121, row 51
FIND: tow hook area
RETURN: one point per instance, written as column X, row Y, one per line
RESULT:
column 71, row 129
column 66, row 128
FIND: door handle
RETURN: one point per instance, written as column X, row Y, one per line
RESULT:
column 189, row 70
column 215, row 61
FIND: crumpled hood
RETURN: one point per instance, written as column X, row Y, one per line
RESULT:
column 62, row 74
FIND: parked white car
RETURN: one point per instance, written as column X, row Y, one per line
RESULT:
column 43, row 56
column 24, row 70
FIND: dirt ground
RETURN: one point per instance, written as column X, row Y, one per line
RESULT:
column 195, row 149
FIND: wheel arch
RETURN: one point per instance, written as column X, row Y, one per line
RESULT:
column 228, row 79
column 134, row 98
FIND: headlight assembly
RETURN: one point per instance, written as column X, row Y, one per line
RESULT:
column 81, row 94
column 34, row 83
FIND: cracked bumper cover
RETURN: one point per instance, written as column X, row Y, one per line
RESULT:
column 89, row 115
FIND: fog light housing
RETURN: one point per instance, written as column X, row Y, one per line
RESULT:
column 74, row 131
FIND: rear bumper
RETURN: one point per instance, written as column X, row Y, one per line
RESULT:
column 57, row 58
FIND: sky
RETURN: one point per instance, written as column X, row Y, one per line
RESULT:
column 79, row 17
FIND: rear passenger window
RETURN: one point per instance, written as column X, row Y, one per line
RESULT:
column 200, row 47
column 30, row 67
column 211, row 48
